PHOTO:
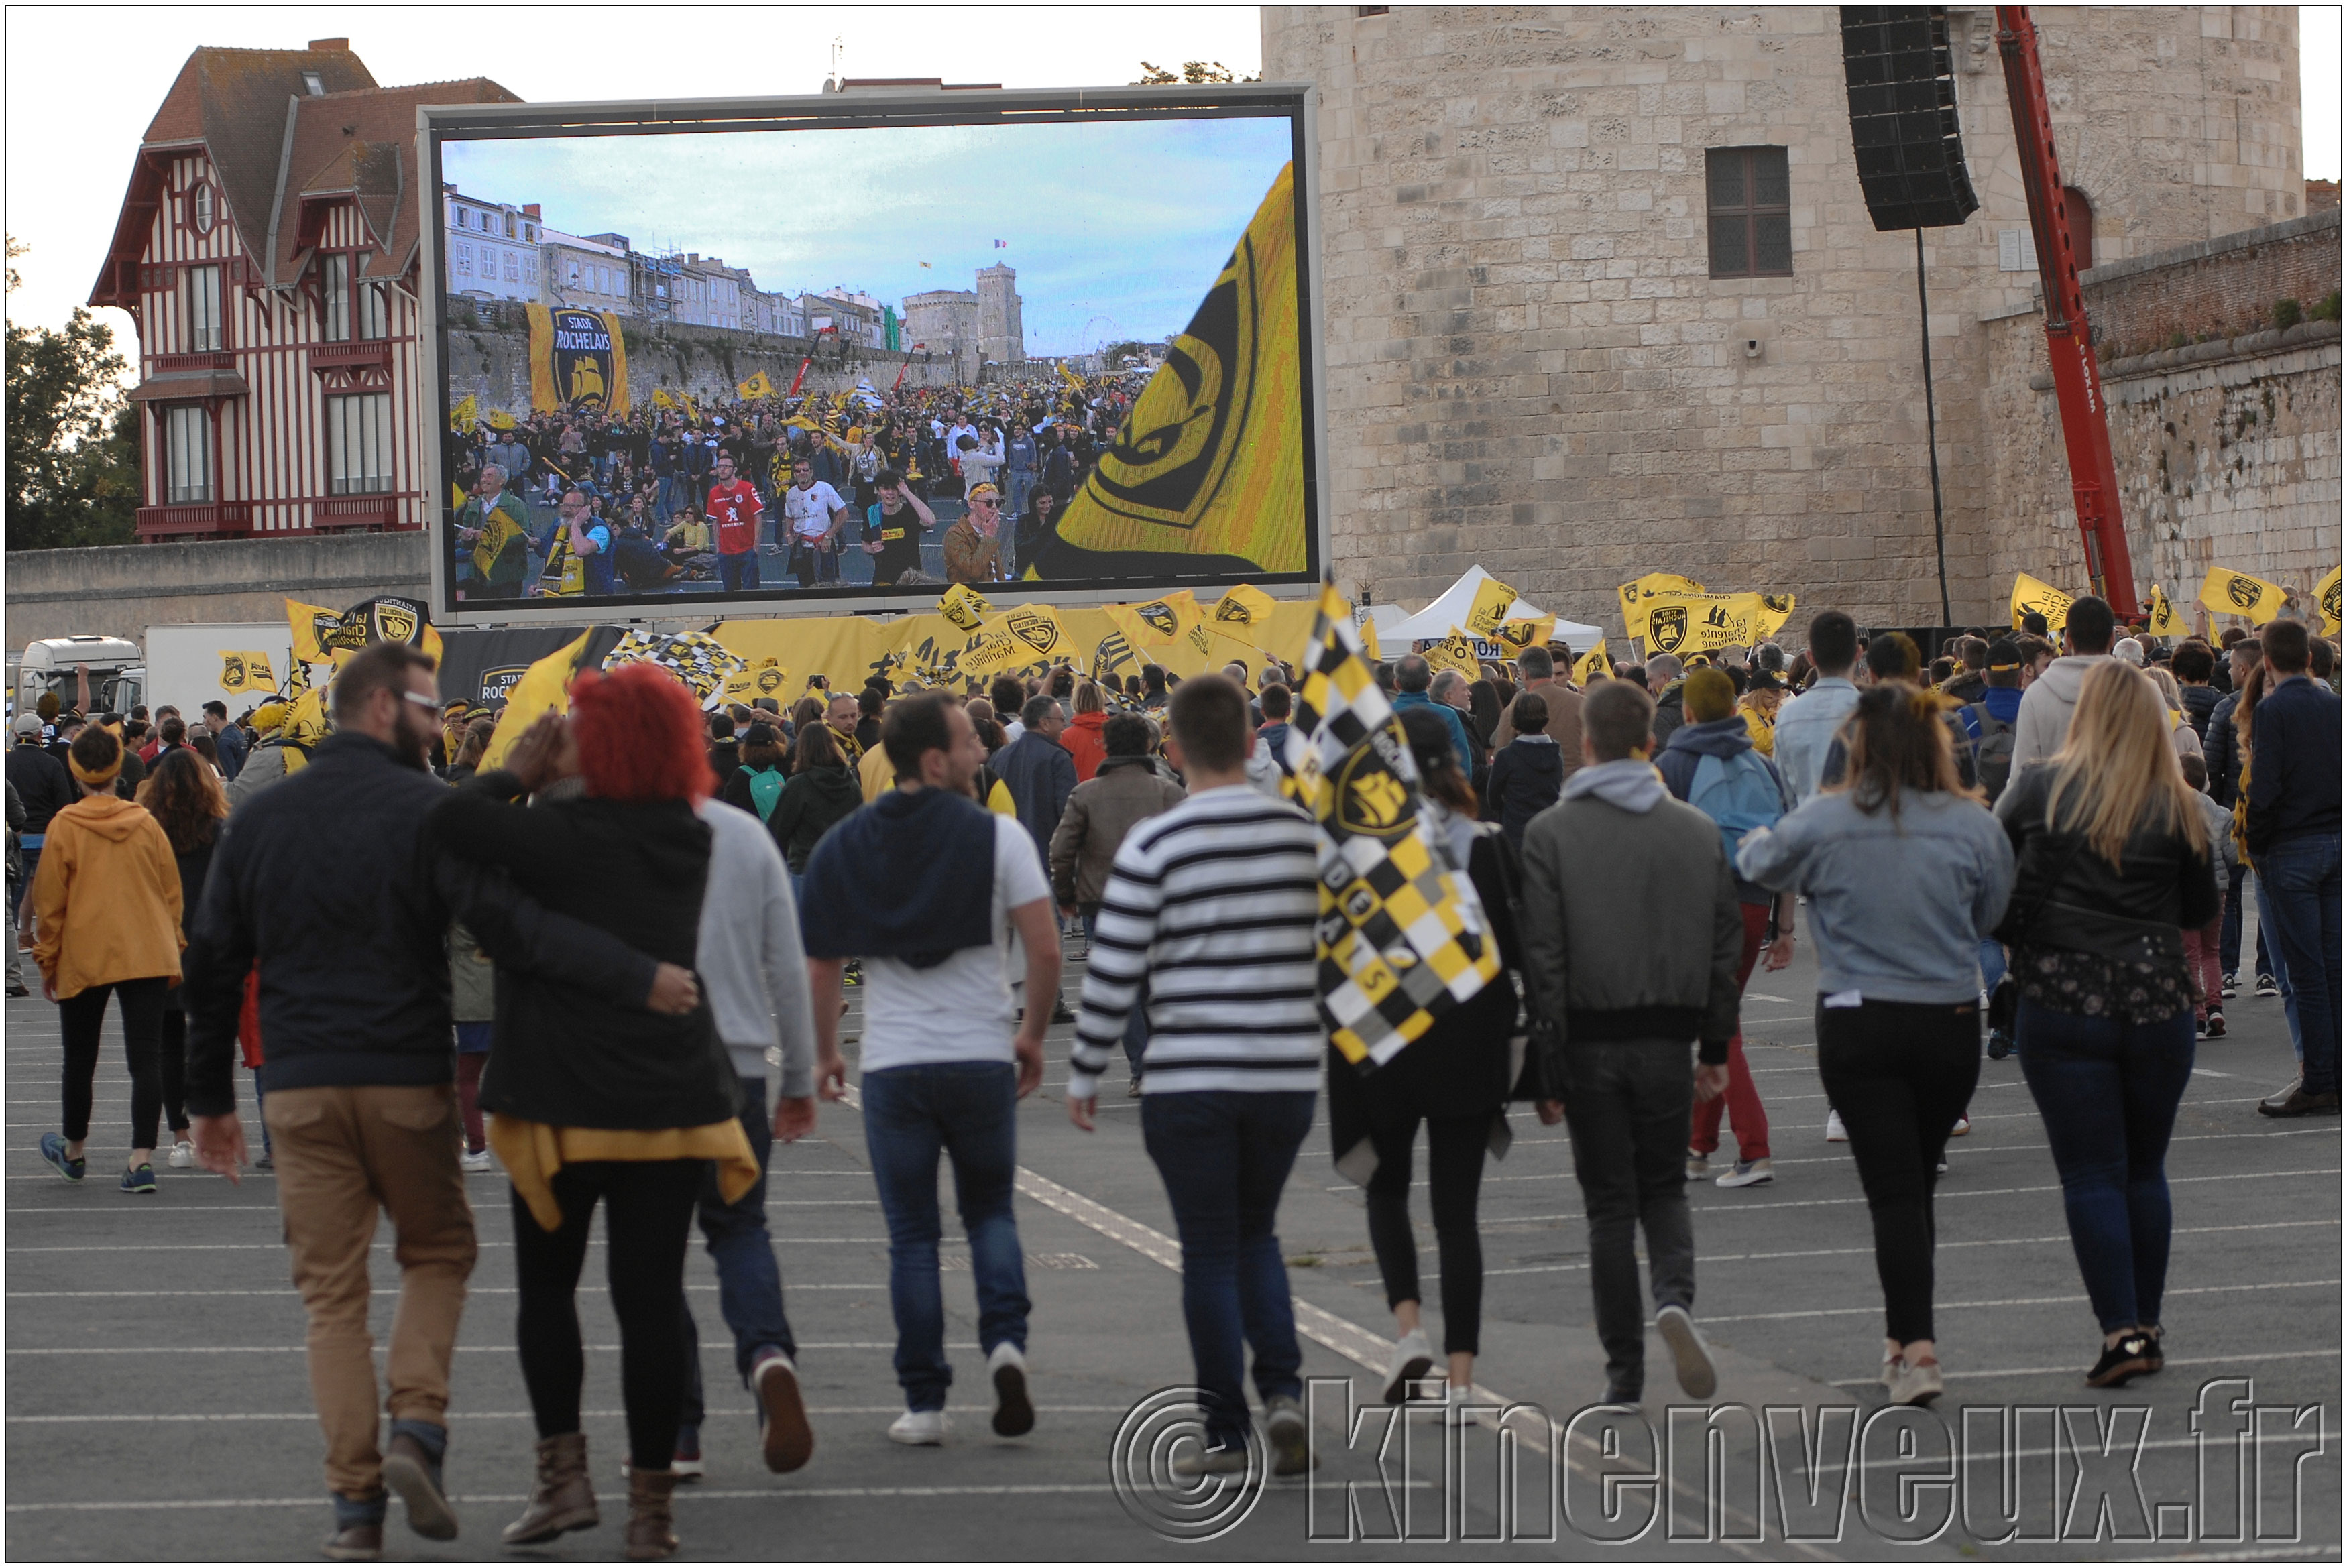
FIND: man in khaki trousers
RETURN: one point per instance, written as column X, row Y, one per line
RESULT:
column 324, row 883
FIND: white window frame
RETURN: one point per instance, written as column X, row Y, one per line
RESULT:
column 358, row 443
column 187, row 455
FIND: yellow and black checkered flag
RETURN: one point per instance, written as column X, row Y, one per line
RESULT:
column 1402, row 938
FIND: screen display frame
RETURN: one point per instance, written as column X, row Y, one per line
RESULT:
column 861, row 108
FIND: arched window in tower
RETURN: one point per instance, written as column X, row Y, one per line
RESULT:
column 2080, row 214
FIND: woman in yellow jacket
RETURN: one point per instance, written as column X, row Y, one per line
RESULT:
column 105, row 903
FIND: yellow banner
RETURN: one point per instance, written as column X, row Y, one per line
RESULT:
column 768, row 679
column 1647, row 587
column 757, row 386
column 1591, row 666
column 1455, row 652
column 1532, row 632
column 500, row 420
column 543, row 686
column 312, row 625
column 663, row 397
column 2030, row 594
column 2161, row 617
column 246, row 671
column 1698, row 623
column 1209, row 466
column 2326, row 598
column 965, row 606
column 1243, row 612
column 1492, row 598
column 2229, row 593
column 1159, row 621
column 578, row 361
column 465, row 414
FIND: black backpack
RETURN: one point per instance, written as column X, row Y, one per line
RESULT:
column 1993, row 753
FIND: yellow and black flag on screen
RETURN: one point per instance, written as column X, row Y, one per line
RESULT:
column 1207, row 475
column 1401, row 939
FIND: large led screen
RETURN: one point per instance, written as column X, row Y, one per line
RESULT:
column 848, row 352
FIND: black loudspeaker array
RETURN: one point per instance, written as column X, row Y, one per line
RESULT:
column 1903, row 116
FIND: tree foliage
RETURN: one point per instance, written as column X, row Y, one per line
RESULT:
column 73, row 438
column 1193, row 73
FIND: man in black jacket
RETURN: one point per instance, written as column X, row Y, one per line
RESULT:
column 2291, row 831
column 42, row 783
column 327, row 883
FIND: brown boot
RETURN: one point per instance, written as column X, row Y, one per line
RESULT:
column 563, row 1499
column 651, row 1538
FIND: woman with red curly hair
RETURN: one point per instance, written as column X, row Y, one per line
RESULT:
column 590, row 1105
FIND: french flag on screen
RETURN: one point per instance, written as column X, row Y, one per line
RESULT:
column 1002, row 245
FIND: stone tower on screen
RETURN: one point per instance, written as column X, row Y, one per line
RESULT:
column 1001, row 333
column 1542, row 358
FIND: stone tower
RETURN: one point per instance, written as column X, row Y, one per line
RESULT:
column 1001, row 333
column 1536, row 363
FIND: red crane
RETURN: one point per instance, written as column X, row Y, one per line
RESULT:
column 2077, row 387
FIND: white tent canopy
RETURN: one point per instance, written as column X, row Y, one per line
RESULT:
column 1397, row 628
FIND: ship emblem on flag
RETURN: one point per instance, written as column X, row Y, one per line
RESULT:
column 1401, row 937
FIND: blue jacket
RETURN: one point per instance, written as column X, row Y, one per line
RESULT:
column 230, row 745
column 1459, row 740
column 1040, row 776
column 2294, row 769
column 1723, row 737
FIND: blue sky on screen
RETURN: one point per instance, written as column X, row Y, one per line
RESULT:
column 1115, row 229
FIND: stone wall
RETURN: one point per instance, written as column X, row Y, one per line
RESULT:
column 123, row 590
column 489, row 355
column 2218, row 289
column 1531, row 367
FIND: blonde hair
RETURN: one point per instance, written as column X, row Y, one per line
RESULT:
column 2118, row 770
column 2169, row 692
column 1088, row 698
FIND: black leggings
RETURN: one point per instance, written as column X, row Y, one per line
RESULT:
column 171, row 1065
column 648, row 1219
column 1454, row 1169
column 83, row 1017
column 1900, row 1072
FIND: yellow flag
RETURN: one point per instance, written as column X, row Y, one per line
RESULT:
column 757, row 386
column 1529, row 632
column 1647, row 587
column 765, row 680
column 965, row 606
column 1245, row 613
column 1455, row 652
column 312, row 625
column 1024, row 634
column 246, row 671
column 1698, row 623
column 663, row 397
column 2326, row 597
column 305, row 726
column 2229, row 593
column 500, row 420
column 465, row 414
column 2162, row 617
column 2030, row 595
column 1209, row 467
column 1066, row 374
column 1158, row 622
column 1593, row 664
column 544, row 686
column 1492, row 598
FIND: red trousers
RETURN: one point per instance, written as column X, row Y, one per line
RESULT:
column 1742, row 1101
column 2201, row 961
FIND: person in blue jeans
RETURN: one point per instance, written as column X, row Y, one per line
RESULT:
column 1209, row 911
column 2292, row 835
column 929, row 888
column 750, row 957
column 2112, row 866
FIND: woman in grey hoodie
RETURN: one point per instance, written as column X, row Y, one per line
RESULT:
column 1905, row 871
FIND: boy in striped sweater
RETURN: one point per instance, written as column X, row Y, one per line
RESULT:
column 1209, row 911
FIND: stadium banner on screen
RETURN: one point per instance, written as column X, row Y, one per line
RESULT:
column 1136, row 378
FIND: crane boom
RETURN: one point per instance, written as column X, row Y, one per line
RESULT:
column 2077, row 386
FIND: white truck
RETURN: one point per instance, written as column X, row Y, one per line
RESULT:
column 183, row 663
column 117, row 672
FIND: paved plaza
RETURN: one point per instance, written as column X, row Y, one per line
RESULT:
column 158, row 1406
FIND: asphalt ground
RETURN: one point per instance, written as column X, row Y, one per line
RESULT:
column 158, row 1406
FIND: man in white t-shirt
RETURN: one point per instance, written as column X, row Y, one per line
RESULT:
column 928, row 889
column 816, row 514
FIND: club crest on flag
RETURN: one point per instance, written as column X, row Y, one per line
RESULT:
column 1401, row 938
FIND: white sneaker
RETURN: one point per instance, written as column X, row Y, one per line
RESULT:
column 1915, row 1382
column 1699, row 1165
column 1963, row 1124
column 918, row 1428
column 1412, row 1357
column 1196, row 1461
column 478, row 1162
column 1689, row 1355
column 1014, row 1413
column 1747, row 1173
column 1834, row 1131
column 183, row 1155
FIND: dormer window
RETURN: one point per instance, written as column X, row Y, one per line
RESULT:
column 313, row 84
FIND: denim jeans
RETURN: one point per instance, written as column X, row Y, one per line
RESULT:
column 2228, row 942
column 2108, row 1092
column 2300, row 877
column 672, row 494
column 1991, row 963
column 1225, row 1156
column 969, row 1112
column 2270, row 961
column 1136, row 1022
column 1627, row 1107
column 749, row 1286
column 735, row 573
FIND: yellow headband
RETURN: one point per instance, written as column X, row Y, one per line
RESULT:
column 94, row 780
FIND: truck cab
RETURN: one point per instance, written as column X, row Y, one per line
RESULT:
column 118, row 673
